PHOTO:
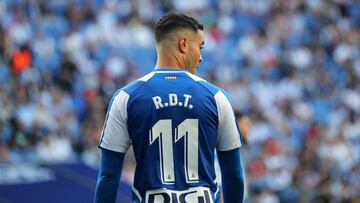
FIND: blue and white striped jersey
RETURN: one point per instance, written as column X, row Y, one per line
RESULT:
column 174, row 120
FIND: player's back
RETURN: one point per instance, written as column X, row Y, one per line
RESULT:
column 172, row 119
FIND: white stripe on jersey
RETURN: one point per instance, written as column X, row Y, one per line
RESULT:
column 194, row 77
column 137, row 193
column 147, row 77
column 116, row 135
column 228, row 137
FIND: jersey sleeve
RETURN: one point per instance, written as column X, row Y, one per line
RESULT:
column 115, row 135
column 228, row 135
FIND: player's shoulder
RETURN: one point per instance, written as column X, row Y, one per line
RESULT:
column 217, row 92
column 213, row 89
column 133, row 86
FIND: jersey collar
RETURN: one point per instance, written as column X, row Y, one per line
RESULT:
column 169, row 70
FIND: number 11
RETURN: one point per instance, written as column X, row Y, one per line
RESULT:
column 187, row 129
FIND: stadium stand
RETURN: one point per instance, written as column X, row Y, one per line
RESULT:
column 291, row 66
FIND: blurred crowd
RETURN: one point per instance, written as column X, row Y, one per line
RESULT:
column 291, row 67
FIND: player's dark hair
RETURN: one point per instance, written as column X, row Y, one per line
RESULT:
column 174, row 21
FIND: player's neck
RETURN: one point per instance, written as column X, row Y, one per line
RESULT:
column 169, row 62
column 168, row 67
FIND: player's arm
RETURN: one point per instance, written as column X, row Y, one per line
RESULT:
column 227, row 145
column 109, row 175
column 232, row 175
column 114, row 142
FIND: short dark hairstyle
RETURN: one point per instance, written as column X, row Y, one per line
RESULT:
column 173, row 21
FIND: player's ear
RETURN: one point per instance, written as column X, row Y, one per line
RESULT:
column 183, row 44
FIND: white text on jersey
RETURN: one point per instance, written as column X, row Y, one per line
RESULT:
column 173, row 100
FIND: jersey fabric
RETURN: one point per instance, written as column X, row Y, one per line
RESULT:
column 174, row 120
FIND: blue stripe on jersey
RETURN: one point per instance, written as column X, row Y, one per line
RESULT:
column 132, row 87
column 107, row 114
column 128, row 89
column 210, row 87
column 213, row 89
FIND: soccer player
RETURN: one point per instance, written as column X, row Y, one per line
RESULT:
column 174, row 120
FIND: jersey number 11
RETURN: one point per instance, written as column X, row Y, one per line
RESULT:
column 188, row 130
